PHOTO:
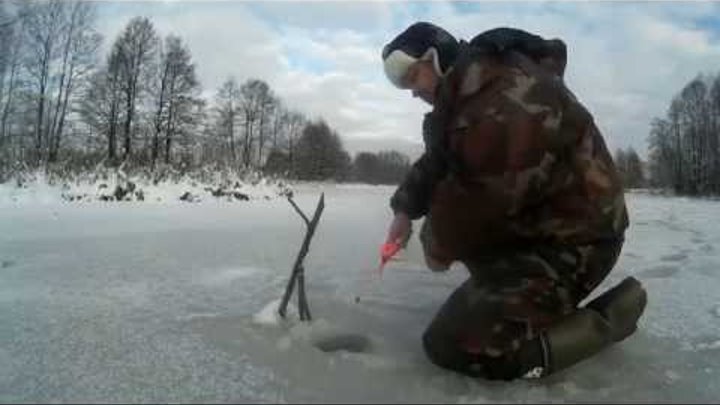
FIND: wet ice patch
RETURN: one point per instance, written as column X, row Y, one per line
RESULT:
column 348, row 342
column 676, row 257
column 659, row 272
column 225, row 276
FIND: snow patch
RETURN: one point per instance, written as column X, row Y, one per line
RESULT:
column 114, row 186
column 268, row 315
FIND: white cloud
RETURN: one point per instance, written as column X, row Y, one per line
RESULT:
column 625, row 62
column 663, row 32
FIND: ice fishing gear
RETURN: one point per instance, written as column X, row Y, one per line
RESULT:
column 387, row 251
column 298, row 272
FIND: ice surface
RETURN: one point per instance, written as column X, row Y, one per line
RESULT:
column 175, row 302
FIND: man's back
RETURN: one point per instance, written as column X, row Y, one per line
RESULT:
column 533, row 167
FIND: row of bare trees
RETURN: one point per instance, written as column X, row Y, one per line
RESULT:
column 48, row 49
column 685, row 144
column 630, row 167
column 385, row 167
column 144, row 101
column 64, row 105
column 252, row 125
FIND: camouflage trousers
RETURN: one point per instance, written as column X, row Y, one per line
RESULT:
column 509, row 298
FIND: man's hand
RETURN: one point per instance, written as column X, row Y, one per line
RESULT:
column 400, row 229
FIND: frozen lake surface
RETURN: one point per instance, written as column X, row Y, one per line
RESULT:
column 173, row 302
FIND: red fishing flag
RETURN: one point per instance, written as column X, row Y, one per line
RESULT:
column 387, row 251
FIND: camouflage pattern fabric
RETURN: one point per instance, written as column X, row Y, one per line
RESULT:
column 512, row 158
column 516, row 183
column 508, row 300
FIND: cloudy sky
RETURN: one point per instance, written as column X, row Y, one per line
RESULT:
column 625, row 59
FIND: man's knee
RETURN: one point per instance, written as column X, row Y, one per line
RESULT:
column 439, row 350
column 449, row 354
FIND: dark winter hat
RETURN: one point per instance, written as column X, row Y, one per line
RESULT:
column 420, row 41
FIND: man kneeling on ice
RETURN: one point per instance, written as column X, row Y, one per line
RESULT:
column 517, row 184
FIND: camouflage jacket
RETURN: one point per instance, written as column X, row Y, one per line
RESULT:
column 512, row 157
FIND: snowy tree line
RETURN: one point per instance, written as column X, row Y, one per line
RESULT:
column 630, row 167
column 386, row 167
column 684, row 153
column 66, row 108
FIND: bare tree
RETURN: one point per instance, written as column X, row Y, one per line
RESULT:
column 267, row 107
column 81, row 43
column 255, row 99
column 294, row 124
column 714, row 134
column 662, row 155
column 227, row 109
column 42, row 23
column 177, row 99
column 101, row 105
column 278, row 121
column 676, row 128
column 137, row 48
column 687, row 141
column 6, row 40
column 11, row 42
column 633, row 175
column 694, row 113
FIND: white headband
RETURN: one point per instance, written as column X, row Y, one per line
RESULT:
column 398, row 62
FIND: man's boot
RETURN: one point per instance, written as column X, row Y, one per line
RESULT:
column 622, row 306
column 608, row 319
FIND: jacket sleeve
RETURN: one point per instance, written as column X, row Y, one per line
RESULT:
column 415, row 192
column 413, row 195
